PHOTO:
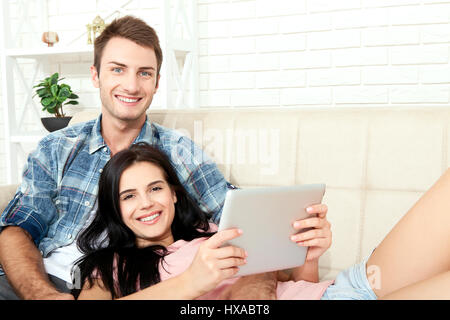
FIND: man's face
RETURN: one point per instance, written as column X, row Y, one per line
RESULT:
column 127, row 80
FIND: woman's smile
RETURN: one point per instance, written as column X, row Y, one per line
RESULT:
column 150, row 218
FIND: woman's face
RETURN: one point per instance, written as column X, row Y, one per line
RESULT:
column 147, row 204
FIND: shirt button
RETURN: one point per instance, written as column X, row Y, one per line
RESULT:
column 101, row 170
column 87, row 203
column 69, row 236
column 105, row 150
column 57, row 201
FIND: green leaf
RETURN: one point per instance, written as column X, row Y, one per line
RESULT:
column 61, row 99
column 64, row 92
column 54, row 89
column 47, row 101
column 54, row 78
column 52, row 110
column 73, row 96
column 42, row 84
column 42, row 92
column 71, row 102
column 52, row 106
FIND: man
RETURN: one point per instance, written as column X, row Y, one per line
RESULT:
column 56, row 199
column 59, row 188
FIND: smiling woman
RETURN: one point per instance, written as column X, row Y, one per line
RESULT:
column 142, row 209
column 158, row 244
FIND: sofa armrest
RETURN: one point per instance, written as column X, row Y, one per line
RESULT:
column 7, row 192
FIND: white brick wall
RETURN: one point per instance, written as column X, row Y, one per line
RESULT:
column 293, row 52
column 312, row 52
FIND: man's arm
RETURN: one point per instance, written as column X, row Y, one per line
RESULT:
column 200, row 176
column 24, row 267
column 25, row 222
column 262, row 286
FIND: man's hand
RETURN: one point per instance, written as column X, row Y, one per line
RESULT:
column 24, row 267
column 318, row 239
column 262, row 286
column 55, row 295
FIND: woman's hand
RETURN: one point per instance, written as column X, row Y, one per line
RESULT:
column 213, row 263
column 318, row 239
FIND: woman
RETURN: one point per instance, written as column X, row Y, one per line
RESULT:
column 162, row 247
column 149, row 240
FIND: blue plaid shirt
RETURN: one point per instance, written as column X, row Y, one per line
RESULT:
column 60, row 180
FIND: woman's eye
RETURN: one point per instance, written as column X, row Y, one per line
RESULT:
column 128, row 196
column 156, row 188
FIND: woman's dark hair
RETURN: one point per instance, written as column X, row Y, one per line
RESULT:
column 109, row 246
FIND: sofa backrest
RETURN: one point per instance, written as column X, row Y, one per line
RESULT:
column 376, row 162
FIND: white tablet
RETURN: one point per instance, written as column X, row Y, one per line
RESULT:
column 265, row 216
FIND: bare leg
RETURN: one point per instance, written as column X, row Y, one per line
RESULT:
column 435, row 288
column 418, row 247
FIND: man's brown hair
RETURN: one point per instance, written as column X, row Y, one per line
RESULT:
column 130, row 28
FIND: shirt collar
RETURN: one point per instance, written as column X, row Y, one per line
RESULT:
column 97, row 141
column 146, row 134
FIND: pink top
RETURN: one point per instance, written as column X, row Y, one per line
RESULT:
column 182, row 254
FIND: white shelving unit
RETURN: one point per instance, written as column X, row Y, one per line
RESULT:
column 179, row 87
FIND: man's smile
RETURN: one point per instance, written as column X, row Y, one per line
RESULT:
column 127, row 99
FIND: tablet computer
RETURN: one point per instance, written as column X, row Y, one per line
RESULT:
column 266, row 215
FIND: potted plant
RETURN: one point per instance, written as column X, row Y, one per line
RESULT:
column 53, row 96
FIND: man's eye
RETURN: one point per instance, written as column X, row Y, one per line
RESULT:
column 117, row 70
column 146, row 74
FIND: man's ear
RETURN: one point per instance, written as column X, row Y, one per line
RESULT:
column 157, row 82
column 94, row 77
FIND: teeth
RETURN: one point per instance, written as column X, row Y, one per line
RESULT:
column 150, row 218
column 127, row 99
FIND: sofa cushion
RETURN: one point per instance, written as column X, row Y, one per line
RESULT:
column 376, row 162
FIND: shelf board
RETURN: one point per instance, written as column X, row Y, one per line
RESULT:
column 35, row 53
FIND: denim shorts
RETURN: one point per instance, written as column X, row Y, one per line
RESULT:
column 351, row 284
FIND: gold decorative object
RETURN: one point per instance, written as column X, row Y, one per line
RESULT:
column 95, row 28
column 89, row 30
column 50, row 38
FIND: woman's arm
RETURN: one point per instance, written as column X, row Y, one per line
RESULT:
column 211, row 265
column 309, row 271
column 318, row 239
column 176, row 288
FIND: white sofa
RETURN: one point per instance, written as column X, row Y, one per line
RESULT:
column 376, row 162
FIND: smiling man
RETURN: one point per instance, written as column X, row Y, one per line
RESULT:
column 57, row 196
